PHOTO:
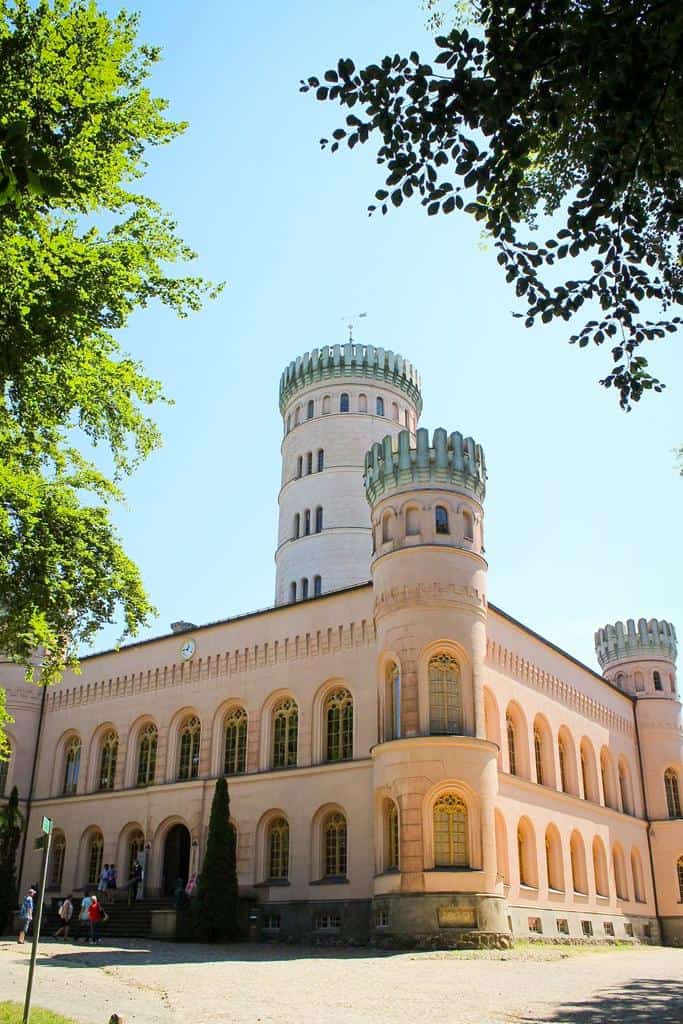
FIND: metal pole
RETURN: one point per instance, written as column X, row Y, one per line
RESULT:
column 47, row 842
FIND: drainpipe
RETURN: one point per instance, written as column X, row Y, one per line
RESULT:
column 33, row 780
column 647, row 817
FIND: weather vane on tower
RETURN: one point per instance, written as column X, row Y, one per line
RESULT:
column 350, row 321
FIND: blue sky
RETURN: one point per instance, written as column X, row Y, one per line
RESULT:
column 583, row 509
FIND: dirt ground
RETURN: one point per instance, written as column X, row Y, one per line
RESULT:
column 169, row 983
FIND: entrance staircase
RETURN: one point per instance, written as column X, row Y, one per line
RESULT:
column 124, row 922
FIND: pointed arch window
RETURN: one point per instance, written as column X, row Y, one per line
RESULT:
column 147, row 755
column 673, row 795
column 451, row 842
column 538, row 756
column 278, row 849
column 235, row 759
column 445, row 706
column 441, row 519
column 339, row 723
column 95, row 848
column 512, row 744
column 190, row 742
column 72, row 764
column 58, row 854
column 392, row 838
column 108, row 754
column 285, row 734
column 334, row 836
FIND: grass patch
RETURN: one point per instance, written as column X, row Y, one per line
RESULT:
column 12, row 1013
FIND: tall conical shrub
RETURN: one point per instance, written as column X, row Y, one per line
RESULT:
column 215, row 902
column 11, row 824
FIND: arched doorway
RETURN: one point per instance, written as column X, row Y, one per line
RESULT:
column 176, row 858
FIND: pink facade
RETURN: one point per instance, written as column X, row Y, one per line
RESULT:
column 404, row 758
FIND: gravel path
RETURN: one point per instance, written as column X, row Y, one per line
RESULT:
column 168, row 983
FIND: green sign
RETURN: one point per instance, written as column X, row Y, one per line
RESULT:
column 39, row 842
column 47, row 826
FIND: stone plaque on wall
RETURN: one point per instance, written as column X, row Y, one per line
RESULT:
column 457, row 917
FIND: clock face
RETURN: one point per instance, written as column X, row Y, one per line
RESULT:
column 188, row 649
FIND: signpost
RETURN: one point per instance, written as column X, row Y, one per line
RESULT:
column 44, row 841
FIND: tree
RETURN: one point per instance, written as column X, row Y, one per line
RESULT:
column 82, row 249
column 568, row 111
column 11, row 824
column 215, row 900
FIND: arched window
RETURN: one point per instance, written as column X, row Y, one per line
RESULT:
column 562, row 752
column 310, row 409
column 318, row 519
column 95, row 848
column 637, row 872
column 297, row 525
column 309, row 463
column 362, row 403
column 526, row 854
column 235, row 761
column 292, row 591
column 307, row 522
column 321, row 459
column 285, row 733
column 657, row 679
column 326, row 405
column 188, row 755
column 625, row 788
column 673, row 796
column 57, row 856
column 343, row 402
column 394, row 411
column 679, row 872
column 334, row 837
column 412, row 522
column 339, row 724
column 304, row 589
column 379, row 406
column 468, row 525
column 553, row 859
column 607, row 773
column 299, row 466
column 600, row 868
column 445, row 709
column 289, row 422
column 386, row 527
column 393, row 698
column 577, row 856
column 317, row 586
column 538, row 756
column 589, row 772
column 392, row 841
column 147, row 755
column 451, row 841
column 135, row 847
column 512, row 744
column 297, row 416
column 72, row 764
column 441, row 519
column 108, row 754
column 620, row 873
column 407, row 419
column 278, row 849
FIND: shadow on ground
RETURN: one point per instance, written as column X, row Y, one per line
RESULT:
column 641, row 1001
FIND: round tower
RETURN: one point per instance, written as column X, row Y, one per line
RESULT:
column 435, row 773
column 641, row 659
column 335, row 402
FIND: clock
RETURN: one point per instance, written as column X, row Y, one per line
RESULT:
column 188, row 649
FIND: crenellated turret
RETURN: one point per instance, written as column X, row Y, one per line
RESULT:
column 640, row 659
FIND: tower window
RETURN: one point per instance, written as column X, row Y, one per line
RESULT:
column 344, row 402
column 394, row 411
column 317, row 586
column 321, row 460
column 289, row 422
column 318, row 519
column 299, row 466
column 326, row 405
column 297, row 416
column 657, row 680
column 362, row 403
column 673, row 796
column 309, row 463
column 304, row 589
column 292, row 591
column 297, row 525
column 441, row 519
column 307, row 522
column 468, row 531
column 309, row 409
column 379, row 406
column 407, row 419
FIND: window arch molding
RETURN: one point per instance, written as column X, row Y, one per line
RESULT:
column 88, row 858
column 130, row 762
column 544, row 751
column 155, row 865
column 266, row 738
column 459, row 654
column 69, row 737
column 131, row 830
column 567, row 762
column 217, row 738
column 388, row 690
column 515, row 716
column 173, row 744
column 94, row 752
column 321, row 818
column 464, row 792
column 590, row 784
column 262, row 864
column 319, row 739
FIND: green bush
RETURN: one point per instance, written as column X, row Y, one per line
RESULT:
column 12, row 1013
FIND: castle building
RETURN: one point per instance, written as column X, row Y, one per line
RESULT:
column 404, row 758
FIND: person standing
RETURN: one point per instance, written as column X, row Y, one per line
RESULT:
column 112, row 881
column 96, row 916
column 26, row 915
column 83, row 919
column 104, row 881
column 134, row 882
column 66, row 912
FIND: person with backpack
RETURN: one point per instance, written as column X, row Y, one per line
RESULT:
column 66, row 912
column 83, row 919
column 26, row 915
column 96, row 916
